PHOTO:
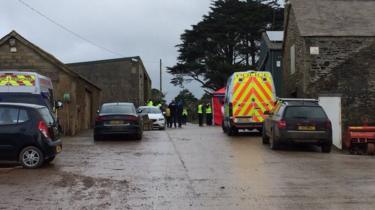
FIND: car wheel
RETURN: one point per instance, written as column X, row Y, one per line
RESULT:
column 31, row 157
column 265, row 138
column 138, row 136
column 370, row 148
column 50, row 159
column 326, row 148
column 274, row 144
column 97, row 137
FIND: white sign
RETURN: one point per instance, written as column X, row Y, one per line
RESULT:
column 314, row 50
column 278, row 63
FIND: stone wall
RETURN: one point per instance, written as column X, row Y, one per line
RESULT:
column 121, row 80
column 296, row 82
column 344, row 66
column 355, row 80
column 27, row 59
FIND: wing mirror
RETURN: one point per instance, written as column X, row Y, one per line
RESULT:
column 267, row 113
column 59, row 105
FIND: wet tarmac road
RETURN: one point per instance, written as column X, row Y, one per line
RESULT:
column 190, row 168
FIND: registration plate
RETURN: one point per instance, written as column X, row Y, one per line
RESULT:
column 116, row 122
column 58, row 149
column 306, row 128
column 244, row 120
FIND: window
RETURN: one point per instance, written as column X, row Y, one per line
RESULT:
column 10, row 116
column 293, row 59
column 305, row 112
column 23, row 117
column 47, row 116
column 118, row 109
column 150, row 110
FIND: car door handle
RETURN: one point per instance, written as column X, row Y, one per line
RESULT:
column 23, row 129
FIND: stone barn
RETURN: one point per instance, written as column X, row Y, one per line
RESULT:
column 270, row 57
column 81, row 97
column 329, row 51
column 121, row 80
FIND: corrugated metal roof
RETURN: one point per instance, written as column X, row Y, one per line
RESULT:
column 275, row 36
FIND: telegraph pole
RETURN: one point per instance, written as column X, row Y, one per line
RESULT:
column 161, row 76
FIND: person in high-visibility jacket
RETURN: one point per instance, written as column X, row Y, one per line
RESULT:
column 150, row 103
column 200, row 114
column 208, row 114
column 160, row 106
column 184, row 116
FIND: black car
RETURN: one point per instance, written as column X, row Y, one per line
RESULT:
column 29, row 134
column 118, row 119
column 298, row 121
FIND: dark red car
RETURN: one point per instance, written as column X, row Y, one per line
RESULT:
column 118, row 119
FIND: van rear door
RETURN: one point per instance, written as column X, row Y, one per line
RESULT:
column 253, row 94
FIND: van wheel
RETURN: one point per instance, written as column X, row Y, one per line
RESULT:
column 232, row 131
column 31, row 157
column 265, row 138
column 223, row 127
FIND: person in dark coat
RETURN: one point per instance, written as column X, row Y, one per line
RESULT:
column 173, row 108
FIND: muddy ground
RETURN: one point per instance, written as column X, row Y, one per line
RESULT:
column 190, row 168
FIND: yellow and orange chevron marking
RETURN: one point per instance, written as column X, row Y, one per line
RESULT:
column 252, row 97
column 17, row 80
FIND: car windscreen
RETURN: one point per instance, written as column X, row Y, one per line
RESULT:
column 304, row 112
column 118, row 109
column 150, row 110
column 47, row 116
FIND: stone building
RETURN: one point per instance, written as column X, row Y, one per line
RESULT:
column 79, row 112
column 123, row 79
column 270, row 57
column 329, row 49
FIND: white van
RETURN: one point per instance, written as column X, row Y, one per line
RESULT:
column 26, row 87
column 248, row 96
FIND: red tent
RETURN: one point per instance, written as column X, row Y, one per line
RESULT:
column 218, row 102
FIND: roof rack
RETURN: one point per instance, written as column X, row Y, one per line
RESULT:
column 299, row 99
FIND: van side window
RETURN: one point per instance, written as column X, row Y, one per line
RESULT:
column 23, row 116
column 8, row 116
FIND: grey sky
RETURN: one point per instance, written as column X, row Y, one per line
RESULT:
column 148, row 28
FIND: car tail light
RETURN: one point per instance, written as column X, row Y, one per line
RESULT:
column 132, row 118
column 328, row 124
column 98, row 119
column 43, row 128
column 281, row 124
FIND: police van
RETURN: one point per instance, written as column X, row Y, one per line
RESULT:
column 248, row 96
column 27, row 87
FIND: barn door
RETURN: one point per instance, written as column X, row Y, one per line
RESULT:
column 88, row 110
column 332, row 106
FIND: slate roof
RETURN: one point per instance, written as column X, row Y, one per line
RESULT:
column 273, row 39
column 125, row 59
column 45, row 55
column 335, row 17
